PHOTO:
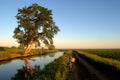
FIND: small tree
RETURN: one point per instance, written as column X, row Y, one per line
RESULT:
column 51, row 47
column 13, row 47
column 35, row 24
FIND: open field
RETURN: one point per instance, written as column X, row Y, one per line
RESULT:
column 109, row 66
column 107, row 61
column 107, row 53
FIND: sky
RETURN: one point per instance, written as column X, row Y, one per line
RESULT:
column 83, row 23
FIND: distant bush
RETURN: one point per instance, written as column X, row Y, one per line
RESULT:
column 2, row 49
column 13, row 47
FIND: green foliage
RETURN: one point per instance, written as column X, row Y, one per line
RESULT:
column 57, row 70
column 51, row 47
column 35, row 24
column 107, row 53
column 13, row 47
column 2, row 49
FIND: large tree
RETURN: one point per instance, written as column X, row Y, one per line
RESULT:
column 35, row 24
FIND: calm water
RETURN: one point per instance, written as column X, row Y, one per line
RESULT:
column 8, row 69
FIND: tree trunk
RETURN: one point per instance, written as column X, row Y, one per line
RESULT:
column 27, row 50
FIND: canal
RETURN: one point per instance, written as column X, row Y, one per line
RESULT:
column 8, row 69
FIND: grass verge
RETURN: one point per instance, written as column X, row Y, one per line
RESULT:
column 57, row 70
column 11, row 53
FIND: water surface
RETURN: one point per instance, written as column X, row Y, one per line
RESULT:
column 8, row 69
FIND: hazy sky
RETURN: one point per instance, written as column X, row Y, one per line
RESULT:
column 83, row 23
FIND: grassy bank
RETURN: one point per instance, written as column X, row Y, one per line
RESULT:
column 10, row 53
column 107, row 61
column 57, row 70
column 109, row 66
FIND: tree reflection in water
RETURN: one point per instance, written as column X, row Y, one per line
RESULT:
column 26, row 71
column 51, row 55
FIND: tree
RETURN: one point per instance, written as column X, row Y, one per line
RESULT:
column 13, row 47
column 35, row 24
column 2, row 48
column 51, row 47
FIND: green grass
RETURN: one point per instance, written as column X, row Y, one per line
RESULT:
column 7, row 50
column 98, row 59
column 57, row 70
column 40, row 52
column 107, row 53
column 6, row 53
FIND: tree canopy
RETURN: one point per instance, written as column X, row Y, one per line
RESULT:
column 35, row 24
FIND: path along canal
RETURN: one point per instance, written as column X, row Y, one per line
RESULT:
column 8, row 69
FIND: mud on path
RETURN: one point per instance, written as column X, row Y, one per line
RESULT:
column 84, row 71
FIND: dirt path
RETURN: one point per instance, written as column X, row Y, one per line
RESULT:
column 76, row 74
column 84, row 71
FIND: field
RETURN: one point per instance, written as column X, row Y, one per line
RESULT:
column 103, row 60
column 106, row 53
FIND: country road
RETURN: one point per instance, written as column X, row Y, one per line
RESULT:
column 85, row 71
